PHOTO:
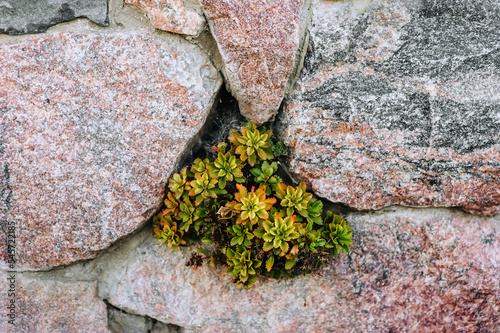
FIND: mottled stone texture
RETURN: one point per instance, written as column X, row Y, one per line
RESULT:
column 171, row 15
column 400, row 105
column 92, row 125
column 32, row 16
column 408, row 270
column 258, row 41
column 49, row 306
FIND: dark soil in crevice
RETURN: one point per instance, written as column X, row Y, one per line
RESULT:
column 225, row 116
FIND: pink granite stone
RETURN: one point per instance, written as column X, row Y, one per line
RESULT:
column 388, row 112
column 171, row 15
column 408, row 270
column 92, row 125
column 258, row 41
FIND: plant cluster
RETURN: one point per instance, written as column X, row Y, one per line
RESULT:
column 239, row 203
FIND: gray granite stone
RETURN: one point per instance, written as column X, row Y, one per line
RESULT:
column 400, row 105
column 33, row 16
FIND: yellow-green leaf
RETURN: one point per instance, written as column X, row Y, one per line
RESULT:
column 269, row 263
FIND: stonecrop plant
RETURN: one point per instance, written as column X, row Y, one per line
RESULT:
column 259, row 225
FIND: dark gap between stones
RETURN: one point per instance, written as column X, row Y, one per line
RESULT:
column 125, row 323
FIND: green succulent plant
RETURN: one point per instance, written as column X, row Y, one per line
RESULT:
column 203, row 187
column 199, row 165
column 314, row 211
column 251, row 206
column 189, row 215
column 310, row 239
column 159, row 221
column 337, row 233
column 261, row 220
column 251, row 144
column 226, row 168
column 179, row 183
column 265, row 175
column 294, row 199
column 171, row 205
column 277, row 235
column 243, row 266
column 242, row 235
column 166, row 231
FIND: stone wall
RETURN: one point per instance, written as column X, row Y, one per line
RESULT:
column 391, row 110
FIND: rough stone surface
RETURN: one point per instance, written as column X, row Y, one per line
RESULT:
column 400, row 105
column 258, row 41
column 32, row 16
column 92, row 126
column 48, row 306
column 122, row 322
column 171, row 15
column 408, row 269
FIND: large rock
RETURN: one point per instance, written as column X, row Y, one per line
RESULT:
column 48, row 306
column 407, row 269
column 171, row 15
column 400, row 105
column 32, row 16
column 260, row 44
column 92, row 126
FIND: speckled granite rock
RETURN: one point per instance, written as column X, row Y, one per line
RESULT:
column 259, row 42
column 49, row 306
column 92, row 126
column 171, row 15
column 400, row 105
column 408, row 269
column 32, row 16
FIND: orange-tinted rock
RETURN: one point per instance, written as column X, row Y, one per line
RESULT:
column 171, row 15
column 92, row 126
column 47, row 306
column 407, row 269
column 258, row 41
column 398, row 106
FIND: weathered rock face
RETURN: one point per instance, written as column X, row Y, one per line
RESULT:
column 29, row 16
column 92, row 126
column 46, row 305
column 259, row 43
column 400, row 105
column 407, row 269
column 171, row 15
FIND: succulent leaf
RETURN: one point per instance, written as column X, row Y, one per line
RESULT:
column 171, row 204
